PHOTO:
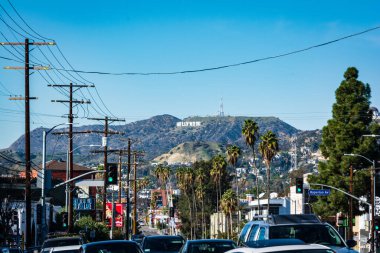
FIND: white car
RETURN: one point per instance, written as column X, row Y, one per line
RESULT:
column 306, row 248
column 66, row 249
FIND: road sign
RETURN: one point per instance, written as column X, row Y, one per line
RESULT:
column 322, row 192
column 84, row 204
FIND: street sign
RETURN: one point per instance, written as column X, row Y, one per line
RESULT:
column 84, row 204
column 322, row 192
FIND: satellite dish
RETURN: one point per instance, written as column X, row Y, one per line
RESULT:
column 261, row 195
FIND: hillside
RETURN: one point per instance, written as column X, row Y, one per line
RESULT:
column 190, row 152
column 160, row 134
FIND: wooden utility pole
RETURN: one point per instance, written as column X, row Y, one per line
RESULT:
column 70, row 144
column 27, row 67
column 105, row 144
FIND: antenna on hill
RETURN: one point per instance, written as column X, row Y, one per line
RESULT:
column 221, row 111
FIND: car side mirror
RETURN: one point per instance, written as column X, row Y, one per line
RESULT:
column 351, row 243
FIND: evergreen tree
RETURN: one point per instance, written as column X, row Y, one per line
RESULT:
column 351, row 119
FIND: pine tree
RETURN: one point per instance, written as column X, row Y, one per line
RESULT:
column 351, row 119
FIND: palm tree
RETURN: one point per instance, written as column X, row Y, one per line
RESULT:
column 228, row 204
column 200, row 177
column 233, row 153
column 184, row 180
column 268, row 148
column 217, row 171
column 250, row 132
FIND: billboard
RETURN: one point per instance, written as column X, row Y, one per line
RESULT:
column 119, row 210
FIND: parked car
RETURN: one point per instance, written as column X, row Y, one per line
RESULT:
column 111, row 246
column 305, row 248
column 66, row 249
column 208, row 246
column 162, row 243
column 307, row 228
column 59, row 242
column 10, row 250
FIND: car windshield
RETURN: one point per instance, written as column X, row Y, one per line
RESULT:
column 160, row 244
column 211, row 247
column 67, row 251
column 63, row 242
column 305, row 251
column 320, row 234
column 113, row 248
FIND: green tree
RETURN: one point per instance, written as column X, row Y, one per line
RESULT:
column 250, row 131
column 86, row 224
column 228, row 205
column 351, row 119
column 218, row 169
column 268, row 148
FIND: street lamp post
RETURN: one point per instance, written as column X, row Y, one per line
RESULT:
column 373, row 196
column 43, row 183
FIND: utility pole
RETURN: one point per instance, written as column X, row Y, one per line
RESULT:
column 70, row 144
column 350, row 205
column 27, row 67
column 134, row 225
column 105, row 144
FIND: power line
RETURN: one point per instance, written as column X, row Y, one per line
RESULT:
column 228, row 65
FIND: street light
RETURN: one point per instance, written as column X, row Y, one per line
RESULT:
column 43, row 193
column 372, row 198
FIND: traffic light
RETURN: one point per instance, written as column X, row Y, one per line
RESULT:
column 171, row 211
column 299, row 185
column 65, row 219
column 39, row 213
column 377, row 224
column 112, row 174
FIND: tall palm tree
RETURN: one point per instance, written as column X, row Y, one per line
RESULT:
column 228, row 204
column 268, row 148
column 250, row 132
column 218, row 170
column 200, row 177
column 184, row 181
column 233, row 153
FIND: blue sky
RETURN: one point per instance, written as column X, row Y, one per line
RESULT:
column 166, row 36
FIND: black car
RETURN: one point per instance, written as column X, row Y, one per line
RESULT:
column 162, row 243
column 60, row 242
column 208, row 246
column 111, row 246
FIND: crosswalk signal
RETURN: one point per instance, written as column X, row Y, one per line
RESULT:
column 299, row 185
column 65, row 219
column 112, row 174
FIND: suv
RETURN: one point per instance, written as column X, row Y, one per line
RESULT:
column 307, row 228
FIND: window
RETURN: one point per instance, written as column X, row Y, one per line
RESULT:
column 262, row 233
column 252, row 233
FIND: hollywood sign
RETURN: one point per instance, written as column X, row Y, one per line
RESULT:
column 188, row 124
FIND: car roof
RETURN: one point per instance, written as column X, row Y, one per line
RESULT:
column 61, row 248
column 64, row 238
column 273, row 242
column 108, row 242
column 277, row 219
column 210, row 240
column 164, row 236
column 280, row 248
